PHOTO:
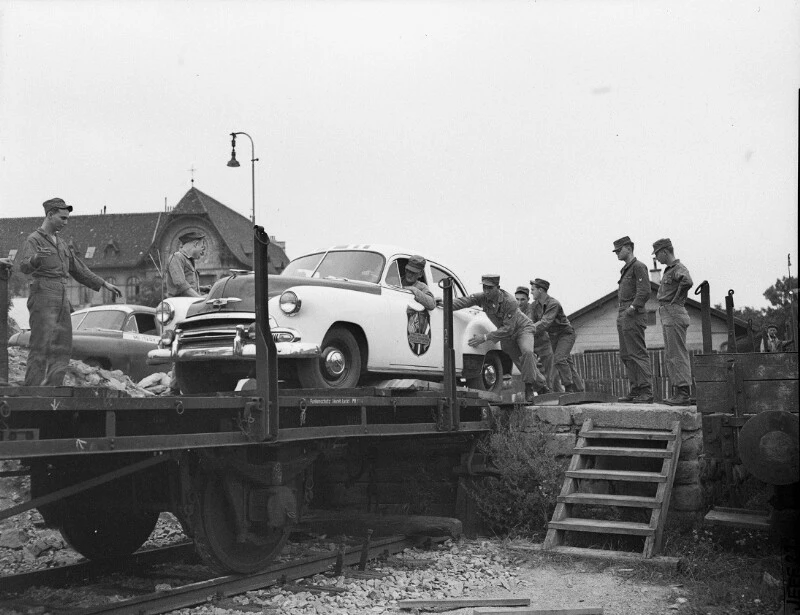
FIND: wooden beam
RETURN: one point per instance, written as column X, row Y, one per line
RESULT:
column 460, row 603
column 590, row 610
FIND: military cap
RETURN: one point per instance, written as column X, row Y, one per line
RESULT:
column 524, row 290
column 415, row 264
column 490, row 279
column 55, row 204
column 621, row 243
column 772, row 326
column 662, row 243
column 543, row 284
column 191, row 236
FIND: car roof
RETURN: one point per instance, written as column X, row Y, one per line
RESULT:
column 128, row 308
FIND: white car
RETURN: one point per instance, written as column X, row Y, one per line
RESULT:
column 172, row 310
column 339, row 318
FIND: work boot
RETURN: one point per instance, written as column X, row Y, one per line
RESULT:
column 571, row 388
column 544, row 389
column 529, row 394
column 630, row 396
column 645, row 396
column 680, row 397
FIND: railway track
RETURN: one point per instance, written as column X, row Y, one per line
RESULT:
column 196, row 592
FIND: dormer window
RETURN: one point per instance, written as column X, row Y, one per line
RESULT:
column 12, row 254
column 89, row 252
column 111, row 249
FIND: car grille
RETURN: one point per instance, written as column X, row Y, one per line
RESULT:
column 210, row 337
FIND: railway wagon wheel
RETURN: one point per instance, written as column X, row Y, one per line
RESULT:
column 101, row 534
column 215, row 534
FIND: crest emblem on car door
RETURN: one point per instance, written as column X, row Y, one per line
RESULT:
column 419, row 331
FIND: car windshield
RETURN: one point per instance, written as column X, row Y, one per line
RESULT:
column 303, row 267
column 341, row 264
column 103, row 319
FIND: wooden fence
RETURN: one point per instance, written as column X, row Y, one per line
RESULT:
column 604, row 371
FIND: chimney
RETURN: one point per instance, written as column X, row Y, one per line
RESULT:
column 655, row 273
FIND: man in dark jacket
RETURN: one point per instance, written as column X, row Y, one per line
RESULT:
column 50, row 262
column 514, row 331
column 633, row 293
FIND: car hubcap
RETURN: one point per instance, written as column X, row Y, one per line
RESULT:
column 489, row 376
column 335, row 363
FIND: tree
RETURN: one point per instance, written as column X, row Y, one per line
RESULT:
column 780, row 296
column 779, row 313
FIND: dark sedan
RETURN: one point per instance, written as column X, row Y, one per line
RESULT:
column 116, row 336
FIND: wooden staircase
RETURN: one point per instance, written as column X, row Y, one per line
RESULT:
column 621, row 447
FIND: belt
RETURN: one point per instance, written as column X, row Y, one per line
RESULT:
column 39, row 278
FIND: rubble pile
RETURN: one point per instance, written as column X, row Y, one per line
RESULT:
column 81, row 375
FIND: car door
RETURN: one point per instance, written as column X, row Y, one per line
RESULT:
column 461, row 318
column 136, row 344
column 416, row 335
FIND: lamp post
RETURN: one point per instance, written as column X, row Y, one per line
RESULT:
column 235, row 163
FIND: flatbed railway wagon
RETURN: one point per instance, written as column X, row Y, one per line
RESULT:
column 231, row 466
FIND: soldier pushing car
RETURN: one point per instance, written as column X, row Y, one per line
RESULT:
column 515, row 331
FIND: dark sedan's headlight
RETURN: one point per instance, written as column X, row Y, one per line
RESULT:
column 165, row 313
column 289, row 303
column 166, row 339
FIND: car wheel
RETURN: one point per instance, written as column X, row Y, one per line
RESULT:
column 338, row 366
column 491, row 376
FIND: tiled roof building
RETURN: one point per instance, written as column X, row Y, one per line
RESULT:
column 125, row 248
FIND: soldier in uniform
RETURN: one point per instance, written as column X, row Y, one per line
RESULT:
column 47, row 258
column 412, row 282
column 541, row 340
column 633, row 293
column 549, row 316
column 182, row 278
column 514, row 331
column 675, row 285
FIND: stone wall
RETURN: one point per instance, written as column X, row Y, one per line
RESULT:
column 563, row 423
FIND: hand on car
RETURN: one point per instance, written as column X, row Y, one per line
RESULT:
column 476, row 340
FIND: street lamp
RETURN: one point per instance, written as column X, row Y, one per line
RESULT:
column 235, row 163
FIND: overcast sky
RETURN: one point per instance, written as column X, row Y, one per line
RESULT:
column 519, row 138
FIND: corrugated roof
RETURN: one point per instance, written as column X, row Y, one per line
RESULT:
column 128, row 237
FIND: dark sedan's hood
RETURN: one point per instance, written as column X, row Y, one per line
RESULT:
column 244, row 287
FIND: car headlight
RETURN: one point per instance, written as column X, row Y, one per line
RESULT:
column 166, row 339
column 289, row 303
column 164, row 313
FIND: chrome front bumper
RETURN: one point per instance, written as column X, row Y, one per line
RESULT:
column 241, row 348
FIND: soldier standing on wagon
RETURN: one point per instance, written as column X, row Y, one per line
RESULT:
column 675, row 285
column 47, row 258
column 182, row 278
column 514, row 331
column 633, row 293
